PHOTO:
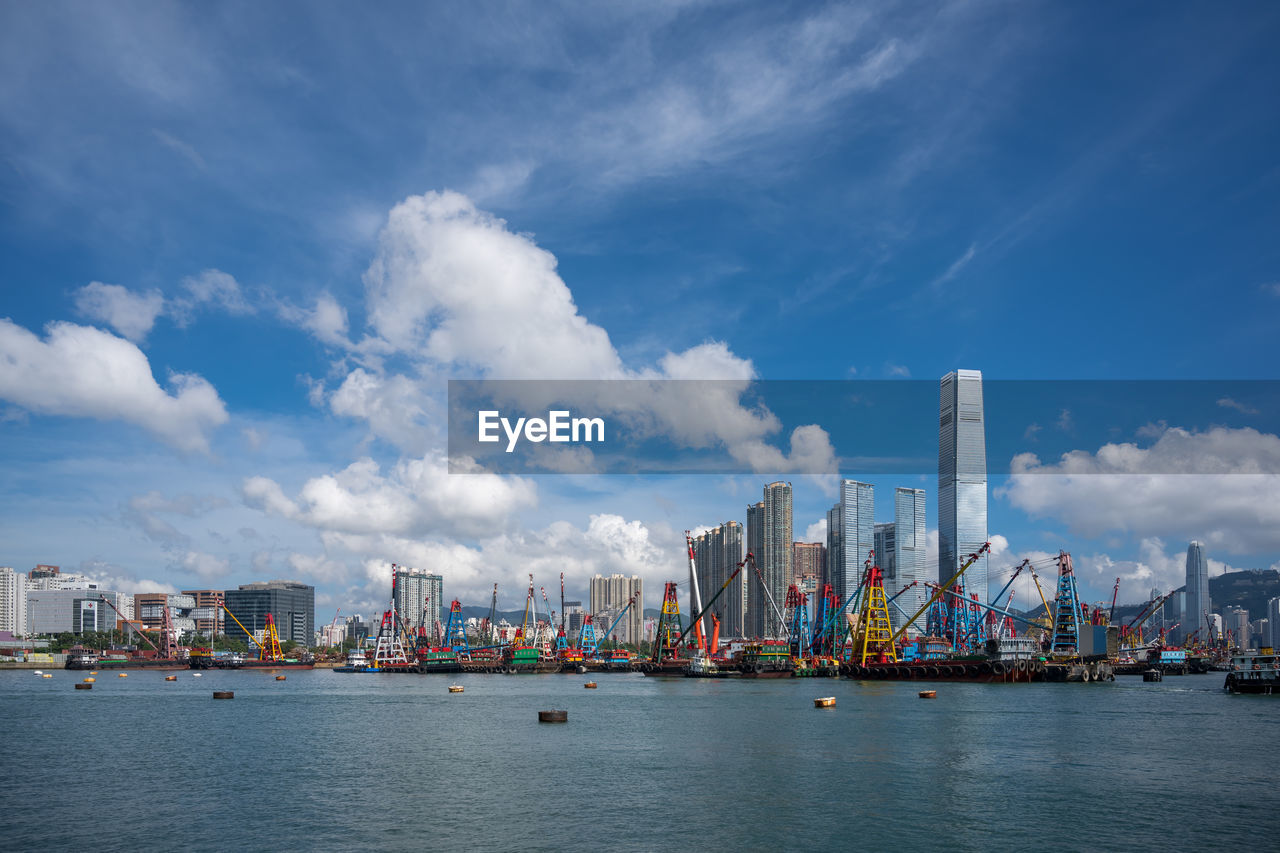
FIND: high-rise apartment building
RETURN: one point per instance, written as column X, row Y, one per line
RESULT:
column 1197, row 602
column 962, row 479
column 13, row 601
column 857, row 510
column 716, row 554
column 756, row 602
column 809, row 560
column 775, row 564
column 292, row 606
column 608, row 597
column 419, row 598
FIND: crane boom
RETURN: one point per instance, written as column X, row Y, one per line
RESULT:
column 141, row 634
column 1115, row 593
column 973, row 558
column 247, row 632
column 618, row 619
column 697, row 593
column 714, row 597
column 751, row 558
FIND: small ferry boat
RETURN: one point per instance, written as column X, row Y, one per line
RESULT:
column 1254, row 673
column 357, row 661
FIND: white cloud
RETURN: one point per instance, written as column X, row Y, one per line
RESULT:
column 416, row 497
column 81, row 371
column 1219, row 486
column 205, row 566
column 213, row 288
column 397, row 408
column 327, row 320
column 1228, row 403
column 609, row 544
column 816, row 532
column 131, row 314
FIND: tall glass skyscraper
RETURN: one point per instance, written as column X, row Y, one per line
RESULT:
column 1197, row 602
column 857, row 535
column 908, row 562
column 756, row 603
column 962, row 479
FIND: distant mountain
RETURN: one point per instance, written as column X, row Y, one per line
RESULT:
column 1248, row 589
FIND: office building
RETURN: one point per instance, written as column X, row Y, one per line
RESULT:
column 835, row 545
column 208, row 615
column 909, row 541
column 608, row 597
column 57, row 611
column 1236, row 620
column 716, row 554
column 420, row 598
column 755, row 603
column 962, row 479
column 292, row 606
column 1196, row 603
column 13, row 601
column 149, row 609
column 856, row 512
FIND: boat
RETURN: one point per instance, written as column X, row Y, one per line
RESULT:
column 766, row 659
column 439, row 659
column 703, row 665
column 356, row 662
column 1254, row 673
column 824, row 702
column 78, row 657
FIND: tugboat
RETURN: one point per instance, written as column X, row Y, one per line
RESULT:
column 1254, row 673
column 356, row 662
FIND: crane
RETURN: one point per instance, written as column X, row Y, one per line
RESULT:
column 1115, row 593
column 697, row 594
column 263, row 652
column 333, row 625
column 622, row 613
column 973, row 558
column 751, row 558
column 141, row 634
column 725, row 586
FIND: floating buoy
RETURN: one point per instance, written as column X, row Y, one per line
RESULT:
column 279, row 678
column 90, row 680
column 171, row 678
column 196, row 675
column 553, row 716
column 928, row 694
column 83, row 686
column 825, row 702
column 46, row 675
column 455, row 688
column 590, row 685
column 93, row 672
column 124, row 674
column 223, row 694
column 39, row 672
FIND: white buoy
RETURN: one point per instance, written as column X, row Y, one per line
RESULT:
column 195, row 675
column 39, row 672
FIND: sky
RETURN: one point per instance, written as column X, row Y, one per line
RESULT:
column 243, row 247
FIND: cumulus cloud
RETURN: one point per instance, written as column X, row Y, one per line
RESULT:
column 1219, row 486
column 205, row 566
column 455, row 289
column 212, row 288
column 81, row 371
column 816, row 532
column 326, row 319
column 416, row 497
column 131, row 314
column 608, row 544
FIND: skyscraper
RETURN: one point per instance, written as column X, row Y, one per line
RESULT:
column 909, row 551
column 857, row 511
column 1272, row 637
column 835, row 546
column 962, row 479
column 1197, row 600
column 717, row 553
column 756, row 603
column 13, row 601
column 776, row 565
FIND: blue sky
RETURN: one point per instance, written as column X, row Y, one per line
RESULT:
column 302, row 218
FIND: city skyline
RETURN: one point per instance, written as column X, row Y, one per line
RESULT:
column 231, row 309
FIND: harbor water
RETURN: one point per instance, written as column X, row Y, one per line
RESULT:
column 334, row 761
